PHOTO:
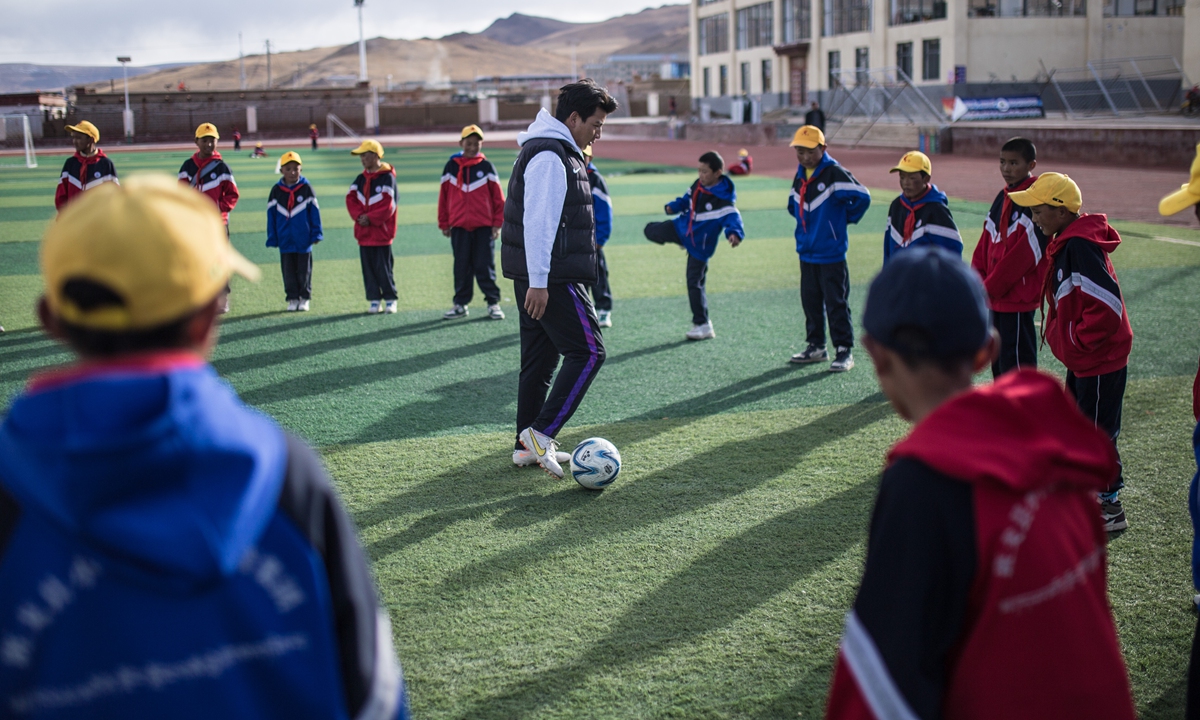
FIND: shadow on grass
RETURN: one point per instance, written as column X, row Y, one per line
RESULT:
column 716, row 590
column 281, row 327
column 24, row 349
column 1171, row 704
column 1136, row 291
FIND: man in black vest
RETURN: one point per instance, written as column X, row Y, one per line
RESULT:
column 548, row 250
column 815, row 117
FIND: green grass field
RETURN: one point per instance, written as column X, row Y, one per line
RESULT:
column 712, row 579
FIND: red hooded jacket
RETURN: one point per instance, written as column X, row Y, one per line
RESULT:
column 83, row 172
column 374, row 194
column 1086, row 324
column 1010, row 255
column 470, row 197
column 212, row 177
column 984, row 593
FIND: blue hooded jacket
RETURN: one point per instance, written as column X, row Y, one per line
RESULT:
column 149, row 566
column 703, row 213
column 293, row 217
column 932, row 224
column 823, row 206
column 601, row 203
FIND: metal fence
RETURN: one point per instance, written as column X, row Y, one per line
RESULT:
column 878, row 95
column 1124, row 86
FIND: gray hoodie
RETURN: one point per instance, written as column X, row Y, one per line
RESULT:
column 545, row 191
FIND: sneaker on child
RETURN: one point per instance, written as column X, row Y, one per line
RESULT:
column 390, row 307
column 701, row 332
column 525, row 458
column 373, row 308
column 494, row 312
column 1112, row 513
column 458, row 311
column 605, row 318
column 292, row 305
column 302, row 306
column 811, row 354
column 843, row 361
column 545, row 450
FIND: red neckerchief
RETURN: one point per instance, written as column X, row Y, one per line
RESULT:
column 148, row 363
column 910, row 222
column 1006, row 206
column 695, row 199
column 291, row 193
column 463, row 164
column 803, row 194
column 84, row 161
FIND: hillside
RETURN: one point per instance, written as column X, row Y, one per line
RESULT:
column 515, row 45
column 26, row 77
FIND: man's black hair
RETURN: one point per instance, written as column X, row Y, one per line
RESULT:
column 915, row 347
column 584, row 97
column 90, row 295
column 1022, row 147
column 713, row 160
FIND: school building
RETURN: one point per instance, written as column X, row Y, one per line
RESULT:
column 782, row 51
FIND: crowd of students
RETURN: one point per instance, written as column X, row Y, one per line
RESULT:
column 984, row 592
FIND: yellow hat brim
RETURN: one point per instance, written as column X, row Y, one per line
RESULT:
column 1178, row 201
column 1024, row 198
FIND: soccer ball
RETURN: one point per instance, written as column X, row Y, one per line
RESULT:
column 595, row 463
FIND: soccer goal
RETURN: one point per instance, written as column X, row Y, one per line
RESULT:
column 15, row 132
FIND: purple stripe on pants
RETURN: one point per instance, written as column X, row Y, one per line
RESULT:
column 585, row 376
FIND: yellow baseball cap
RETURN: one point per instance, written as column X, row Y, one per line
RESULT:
column 368, row 146
column 159, row 245
column 743, row 153
column 809, row 136
column 290, row 156
column 85, row 127
column 1187, row 195
column 914, row 161
column 472, row 130
column 207, row 130
column 1050, row 189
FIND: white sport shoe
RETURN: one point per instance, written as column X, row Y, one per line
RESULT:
column 494, row 312
column 701, row 332
column 458, row 311
column 302, row 306
column 525, row 458
column 843, row 361
column 604, row 317
column 374, row 307
column 390, row 307
column 292, row 305
column 544, row 449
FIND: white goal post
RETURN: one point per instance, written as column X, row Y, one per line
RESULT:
column 12, row 126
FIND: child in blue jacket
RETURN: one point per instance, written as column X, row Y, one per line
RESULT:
column 294, row 226
column 602, row 206
column 825, row 199
column 709, row 207
column 920, row 215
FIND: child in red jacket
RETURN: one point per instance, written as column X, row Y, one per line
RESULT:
column 470, row 213
column 206, row 172
column 372, row 205
column 1011, row 259
column 89, row 167
column 1085, row 323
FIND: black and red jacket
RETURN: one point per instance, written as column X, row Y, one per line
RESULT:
column 984, row 594
column 471, row 196
column 83, row 172
column 212, row 177
column 1011, row 254
column 1086, row 324
column 374, row 194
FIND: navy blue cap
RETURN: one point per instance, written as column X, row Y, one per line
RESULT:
column 934, row 290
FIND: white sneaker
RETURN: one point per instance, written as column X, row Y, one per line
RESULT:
column 604, row 317
column 373, row 308
column 224, row 305
column 494, row 312
column 302, row 306
column 701, row 332
column 525, row 458
column 390, row 307
column 292, row 305
column 545, row 451
column 456, row 312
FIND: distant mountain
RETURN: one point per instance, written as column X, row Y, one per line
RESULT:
column 518, row 29
column 24, row 77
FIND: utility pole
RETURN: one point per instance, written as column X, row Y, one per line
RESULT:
column 362, row 44
column 268, row 42
column 241, row 63
column 128, row 116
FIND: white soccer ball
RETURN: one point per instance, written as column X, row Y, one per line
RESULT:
column 595, row 463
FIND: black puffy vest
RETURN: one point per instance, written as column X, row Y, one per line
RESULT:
column 573, row 258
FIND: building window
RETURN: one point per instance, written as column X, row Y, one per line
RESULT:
column 904, row 60
column 744, row 77
column 914, row 11
column 714, row 34
column 767, row 85
column 1123, row 8
column 723, row 80
column 846, row 16
column 1030, row 8
column 835, row 68
column 931, row 59
column 756, row 26
column 707, row 82
column 862, row 66
column 702, row 3
column 797, row 21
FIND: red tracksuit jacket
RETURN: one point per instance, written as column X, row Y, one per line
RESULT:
column 81, row 173
column 984, row 592
column 1011, row 255
column 1086, row 324
column 374, row 193
column 470, row 196
column 212, row 177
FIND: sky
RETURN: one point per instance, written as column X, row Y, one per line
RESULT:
column 151, row 32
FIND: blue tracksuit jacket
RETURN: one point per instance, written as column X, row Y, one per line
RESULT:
column 703, row 213
column 932, row 224
column 601, row 203
column 823, row 206
column 293, row 218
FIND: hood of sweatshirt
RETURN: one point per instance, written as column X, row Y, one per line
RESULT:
column 1092, row 227
column 723, row 189
column 1021, row 432
column 201, row 162
column 932, row 195
column 90, row 159
column 826, row 160
column 152, row 460
column 546, row 126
